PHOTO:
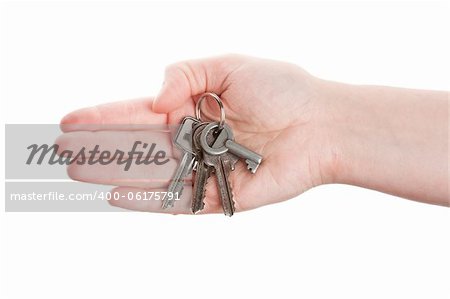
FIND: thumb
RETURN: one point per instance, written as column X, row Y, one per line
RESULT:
column 185, row 79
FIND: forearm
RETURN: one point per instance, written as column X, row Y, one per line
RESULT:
column 391, row 139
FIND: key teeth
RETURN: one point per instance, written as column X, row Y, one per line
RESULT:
column 249, row 167
column 252, row 166
column 231, row 193
column 233, row 208
column 196, row 210
column 169, row 203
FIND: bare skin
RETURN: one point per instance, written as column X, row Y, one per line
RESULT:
column 309, row 131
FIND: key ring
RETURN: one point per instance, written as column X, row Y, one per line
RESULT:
column 198, row 113
column 215, row 150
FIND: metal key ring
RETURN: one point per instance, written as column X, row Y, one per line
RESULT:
column 215, row 150
column 198, row 113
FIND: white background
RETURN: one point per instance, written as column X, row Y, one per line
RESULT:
column 331, row 242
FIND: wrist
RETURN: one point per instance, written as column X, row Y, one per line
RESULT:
column 388, row 139
column 343, row 121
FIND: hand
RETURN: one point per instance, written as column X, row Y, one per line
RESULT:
column 274, row 108
column 309, row 131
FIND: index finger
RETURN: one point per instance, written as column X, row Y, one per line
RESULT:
column 113, row 116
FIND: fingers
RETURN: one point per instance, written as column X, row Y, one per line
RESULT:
column 186, row 79
column 138, row 111
column 103, row 157
column 142, row 175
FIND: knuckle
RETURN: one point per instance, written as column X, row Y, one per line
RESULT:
column 177, row 68
column 186, row 71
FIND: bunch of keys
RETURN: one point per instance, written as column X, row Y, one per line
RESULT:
column 210, row 146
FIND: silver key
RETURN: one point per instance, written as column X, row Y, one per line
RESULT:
column 252, row 159
column 223, row 164
column 201, row 178
column 183, row 140
column 203, row 171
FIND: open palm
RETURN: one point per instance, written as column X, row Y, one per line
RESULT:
column 271, row 106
